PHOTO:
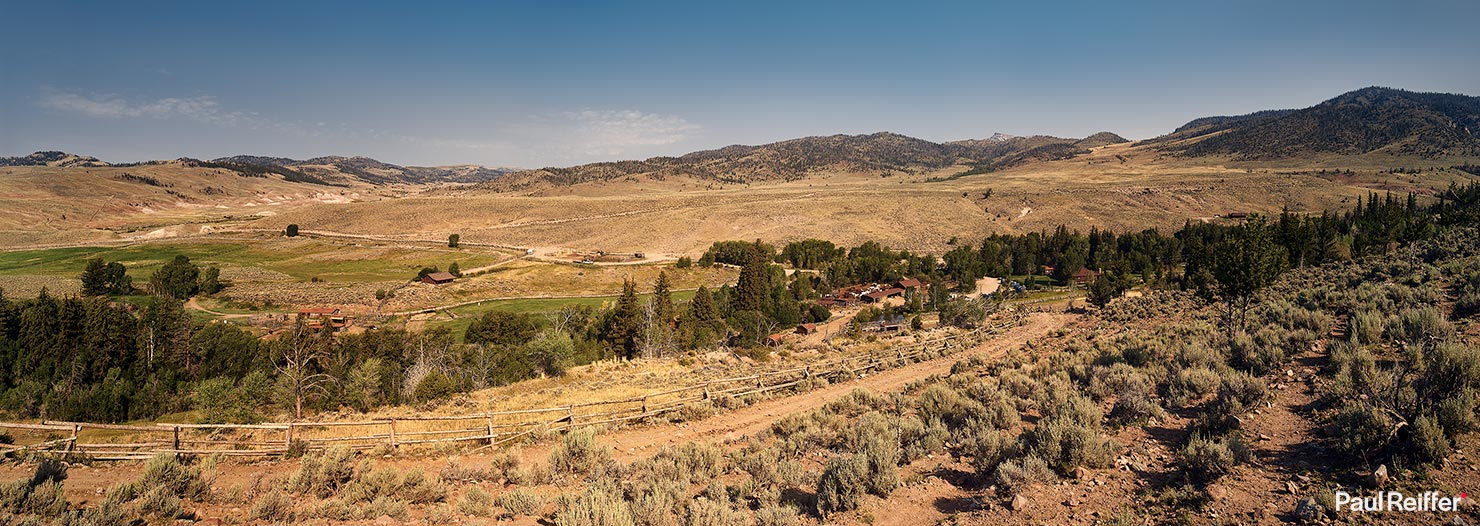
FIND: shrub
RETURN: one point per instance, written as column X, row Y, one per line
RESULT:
column 1066, row 445
column 988, row 450
column 881, row 453
column 1014, row 476
column 1361, row 429
column 776, row 516
column 1190, row 385
column 578, row 453
column 1134, row 405
column 475, row 502
column 505, row 467
column 391, row 483
column 918, row 439
column 710, row 512
column 1203, row 460
column 1457, row 412
column 275, row 506
column 521, row 501
column 844, row 481
column 594, row 507
column 165, row 471
column 1365, row 327
column 436, row 385
column 324, row 474
column 1430, row 444
column 463, row 473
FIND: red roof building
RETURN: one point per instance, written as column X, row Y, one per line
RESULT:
column 438, row 278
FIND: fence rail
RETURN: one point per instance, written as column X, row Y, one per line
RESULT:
column 494, row 428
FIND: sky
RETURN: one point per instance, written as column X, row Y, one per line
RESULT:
column 555, row 83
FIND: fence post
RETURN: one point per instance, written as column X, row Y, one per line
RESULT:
column 706, row 390
column 644, row 405
column 393, row 434
column 75, row 429
column 490, row 428
column 177, row 441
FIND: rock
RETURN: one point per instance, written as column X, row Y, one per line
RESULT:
column 1265, row 438
column 1308, row 510
column 1081, row 473
column 385, row 519
column 1291, row 488
column 1379, row 477
column 1456, row 521
column 1072, row 502
column 1217, row 492
column 1018, row 503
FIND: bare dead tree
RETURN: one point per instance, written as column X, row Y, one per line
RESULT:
column 300, row 356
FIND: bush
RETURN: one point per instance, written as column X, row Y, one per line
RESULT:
column 475, row 502
column 1361, row 429
column 1014, row 476
column 712, row 512
column 594, row 507
column 844, row 481
column 579, row 454
column 1191, row 385
column 1203, row 460
column 165, row 471
column 1430, row 444
column 521, row 501
column 988, row 450
column 275, row 506
column 324, row 474
column 776, row 516
column 436, row 385
column 391, row 484
column 1067, row 445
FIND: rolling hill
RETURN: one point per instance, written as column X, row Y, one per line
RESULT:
column 1368, row 120
column 796, row 159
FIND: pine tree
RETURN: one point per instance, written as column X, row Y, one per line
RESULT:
column 1247, row 261
column 702, row 308
column 626, row 320
column 663, row 298
column 750, row 291
column 95, row 278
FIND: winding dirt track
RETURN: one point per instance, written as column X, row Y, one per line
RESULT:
column 87, row 483
column 636, row 442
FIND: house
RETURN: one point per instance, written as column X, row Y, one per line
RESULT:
column 1085, row 275
column 773, row 340
column 315, row 318
column 1048, row 270
column 1238, row 215
column 909, row 284
column 807, row 328
column 879, row 295
column 438, row 278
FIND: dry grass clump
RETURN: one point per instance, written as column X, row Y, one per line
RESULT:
column 1016, row 475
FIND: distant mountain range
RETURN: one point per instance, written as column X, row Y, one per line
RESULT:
column 327, row 171
column 798, row 158
column 1368, row 120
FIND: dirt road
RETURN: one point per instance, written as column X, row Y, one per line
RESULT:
column 638, row 442
column 87, row 483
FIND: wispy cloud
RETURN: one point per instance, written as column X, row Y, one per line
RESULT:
column 615, row 132
column 201, row 108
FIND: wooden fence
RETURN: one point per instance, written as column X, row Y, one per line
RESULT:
column 137, row 442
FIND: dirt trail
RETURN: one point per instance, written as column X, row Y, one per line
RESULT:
column 637, row 442
column 87, row 483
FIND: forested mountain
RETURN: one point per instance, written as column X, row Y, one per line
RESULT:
column 1363, row 121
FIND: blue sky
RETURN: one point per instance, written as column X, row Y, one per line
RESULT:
column 542, row 83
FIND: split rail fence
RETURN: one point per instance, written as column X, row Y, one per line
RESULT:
column 138, row 442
